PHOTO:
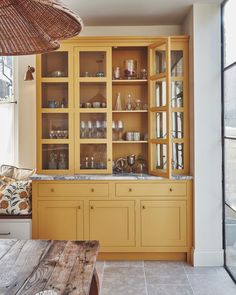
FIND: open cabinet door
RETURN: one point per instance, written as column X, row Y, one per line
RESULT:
column 159, row 109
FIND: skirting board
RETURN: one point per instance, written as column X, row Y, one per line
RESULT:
column 208, row 257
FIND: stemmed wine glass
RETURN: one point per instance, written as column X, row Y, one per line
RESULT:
column 114, row 129
column 82, row 129
column 90, row 129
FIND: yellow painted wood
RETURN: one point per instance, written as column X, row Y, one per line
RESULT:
column 119, row 214
column 117, row 49
column 112, row 223
column 60, row 220
column 155, row 189
column 73, row 189
column 163, row 223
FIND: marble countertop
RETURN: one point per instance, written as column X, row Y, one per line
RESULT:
column 124, row 176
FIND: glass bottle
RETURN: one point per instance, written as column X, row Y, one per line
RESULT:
column 129, row 103
column 118, row 106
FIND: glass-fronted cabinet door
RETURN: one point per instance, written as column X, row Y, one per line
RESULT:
column 54, row 112
column 93, row 105
column 159, row 108
column 179, row 107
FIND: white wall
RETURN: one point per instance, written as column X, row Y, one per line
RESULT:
column 27, row 90
column 203, row 25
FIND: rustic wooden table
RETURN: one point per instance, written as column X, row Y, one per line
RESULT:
column 65, row 267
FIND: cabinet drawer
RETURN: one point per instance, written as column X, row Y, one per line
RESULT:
column 150, row 189
column 73, row 190
column 15, row 229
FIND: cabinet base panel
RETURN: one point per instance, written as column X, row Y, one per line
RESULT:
column 143, row 256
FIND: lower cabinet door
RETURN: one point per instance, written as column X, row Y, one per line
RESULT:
column 60, row 220
column 163, row 223
column 112, row 223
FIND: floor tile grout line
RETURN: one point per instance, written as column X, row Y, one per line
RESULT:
column 188, row 280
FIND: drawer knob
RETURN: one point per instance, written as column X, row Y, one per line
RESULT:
column 92, row 190
column 171, row 189
column 92, row 207
column 130, row 189
column 78, row 207
column 52, row 190
column 144, row 207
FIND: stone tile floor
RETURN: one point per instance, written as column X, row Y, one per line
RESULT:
column 162, row 278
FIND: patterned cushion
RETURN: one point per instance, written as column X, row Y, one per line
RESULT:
column 15, row 196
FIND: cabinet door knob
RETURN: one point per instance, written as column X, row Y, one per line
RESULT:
column 92, row 190
column 52, row 190
column 144, row 207
column 171, row 189
column 92, row 207
column 78, row 207
column 130, row 189
column 109, row 160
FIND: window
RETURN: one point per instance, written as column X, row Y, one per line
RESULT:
column 229, row 132
column 7, row 111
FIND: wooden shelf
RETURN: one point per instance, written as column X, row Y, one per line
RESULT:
column 55, row 141
column 129, row 141
column 93, row 110
column 93, row 79
column 130, row 81
column 132, row 111
column 54, row 110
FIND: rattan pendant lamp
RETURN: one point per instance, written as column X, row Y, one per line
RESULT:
column 35, row 26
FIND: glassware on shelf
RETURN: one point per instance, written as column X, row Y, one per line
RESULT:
column 52, row 164
column 114, row 130
column 130, row 68
column 120, row 128
column 131, row 162
column 143, row 75
column 129, row 105
column 90, row 129
column 92, row 164
column 138, row 104
column 104, row 129
column 116, row 73
column 118, row 106
column 83, row 130
column 62, row 161
column 97, row 128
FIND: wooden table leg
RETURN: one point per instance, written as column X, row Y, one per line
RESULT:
column 94, row 288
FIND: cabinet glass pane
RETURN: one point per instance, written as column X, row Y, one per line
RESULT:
column 161, row 156
column 177, row 125
column 54, row 95
column 55, row 156
column 55, row 64
column 55, row 126
column 93, row 95
column 178, row 156
column 160, row 126
column 93, row 156
column 93, row 125
column 159, row 94
column 92, row 64
column 177, row 67
column 177, row 94
column 160, row 58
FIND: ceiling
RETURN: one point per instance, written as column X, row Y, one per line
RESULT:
column 132, row 12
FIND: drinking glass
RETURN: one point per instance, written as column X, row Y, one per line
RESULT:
column 114, row 130
column 90, row 129
column 83, row 129
column 120, row 128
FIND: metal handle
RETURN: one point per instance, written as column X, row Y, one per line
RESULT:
column 171, row 190
column 130, row 189
column 5, row 234
column 92, row 190
column 92, row 207
column 52, row 190
column 144, row 207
